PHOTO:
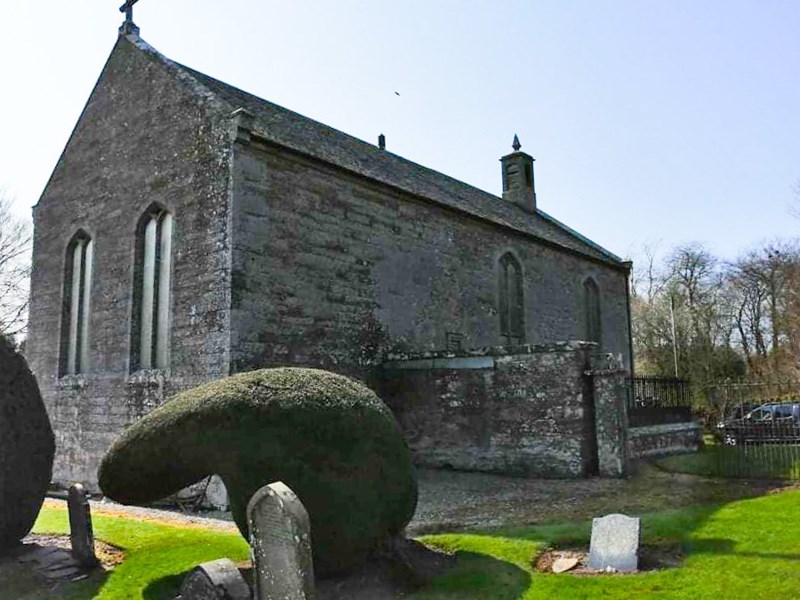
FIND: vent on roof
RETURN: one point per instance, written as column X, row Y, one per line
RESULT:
column 382, row 142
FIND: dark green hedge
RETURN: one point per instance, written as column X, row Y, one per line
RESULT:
column 27, row 447
column 329, row 438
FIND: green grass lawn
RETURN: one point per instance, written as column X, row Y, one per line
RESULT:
column 156, row 556
column 745, row 549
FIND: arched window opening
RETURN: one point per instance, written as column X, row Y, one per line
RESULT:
column 151, row 291
column 594, row 329
column 512, row 325
column 74, row 356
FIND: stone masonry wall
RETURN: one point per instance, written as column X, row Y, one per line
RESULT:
column 335, row 271
column 527, row 413
column 610, row 387
column 144, row 137
column 662, row 440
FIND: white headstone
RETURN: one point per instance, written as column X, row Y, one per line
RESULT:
column 280, row 542
column 615, row 543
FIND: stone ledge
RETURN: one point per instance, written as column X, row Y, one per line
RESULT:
column 72, row 382
column 571, row 346
column 664, row 428
column 148, row 378
column 653, row 441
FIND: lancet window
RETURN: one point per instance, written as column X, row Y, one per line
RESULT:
column 594, row 329
column 151, row 293
column 512, row 323
column 76, row 306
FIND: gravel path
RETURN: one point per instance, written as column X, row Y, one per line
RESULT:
column 457, row 501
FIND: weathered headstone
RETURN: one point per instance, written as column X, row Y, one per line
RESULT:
column 81, row 535
column 215, row 580
column 280, row 542
column 615, row 543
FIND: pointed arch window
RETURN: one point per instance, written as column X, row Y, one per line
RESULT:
column 76, row 306
column 512, row 324
column 151, row 292
column 593, row 321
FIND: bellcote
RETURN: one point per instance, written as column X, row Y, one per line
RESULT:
column 518, row 186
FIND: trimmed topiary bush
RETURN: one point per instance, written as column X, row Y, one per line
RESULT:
column 26, row 448
column 329, row 438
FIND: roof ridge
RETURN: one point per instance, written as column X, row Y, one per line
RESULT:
column 366, row 144
column 290, row 129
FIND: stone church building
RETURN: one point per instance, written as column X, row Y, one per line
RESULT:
column 191, row 230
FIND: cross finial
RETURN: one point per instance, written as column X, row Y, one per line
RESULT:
column 128, row 26
column 516, row 145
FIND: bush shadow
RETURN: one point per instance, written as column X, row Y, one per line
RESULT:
column 477, row 575
column 165, row 588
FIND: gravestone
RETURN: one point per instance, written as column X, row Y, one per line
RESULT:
column 80, row 526
column 615, row 543
column 215, row 580
column 280, row 543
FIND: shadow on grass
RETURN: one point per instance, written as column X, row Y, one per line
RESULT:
column 473, row 576
column 17, row 581
column 477, row 576
column 165, row 588
column 725, row 546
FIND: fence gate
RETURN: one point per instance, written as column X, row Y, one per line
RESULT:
column 756, row 428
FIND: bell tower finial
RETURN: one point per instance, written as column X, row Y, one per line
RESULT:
column 518, row 186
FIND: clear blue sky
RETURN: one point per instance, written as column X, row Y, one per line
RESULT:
column 671, row 120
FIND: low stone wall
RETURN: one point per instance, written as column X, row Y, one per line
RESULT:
column 662, row 440
column 527, row 410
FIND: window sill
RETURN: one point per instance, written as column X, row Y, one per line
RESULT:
column 148, row 377
column 77, row 381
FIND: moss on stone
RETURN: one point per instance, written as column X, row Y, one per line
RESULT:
column 329, row 438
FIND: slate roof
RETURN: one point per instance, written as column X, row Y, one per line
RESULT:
column 302, row 134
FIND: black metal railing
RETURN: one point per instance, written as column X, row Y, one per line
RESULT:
column 755, row 427
column 658, row 400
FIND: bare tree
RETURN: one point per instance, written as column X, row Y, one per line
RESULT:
column 15, row 244
column 764, row 282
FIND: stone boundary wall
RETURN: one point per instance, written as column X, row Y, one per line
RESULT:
column 662, row 440
column 526, row 410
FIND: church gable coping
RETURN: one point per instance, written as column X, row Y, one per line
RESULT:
column 296, row 132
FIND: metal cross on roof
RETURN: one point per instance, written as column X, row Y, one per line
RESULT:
column 128, row 27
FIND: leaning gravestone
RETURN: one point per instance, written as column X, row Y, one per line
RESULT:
column 26, row 448
column 215, row 580
column 615, row 543
column 80, row 526
column 280, row 541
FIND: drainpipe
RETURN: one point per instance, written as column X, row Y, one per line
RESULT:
column 629, row 264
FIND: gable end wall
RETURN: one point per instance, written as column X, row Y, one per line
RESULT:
column 145, row 137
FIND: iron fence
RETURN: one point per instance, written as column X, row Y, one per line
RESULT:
column 754, row 427
column 658, row 400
